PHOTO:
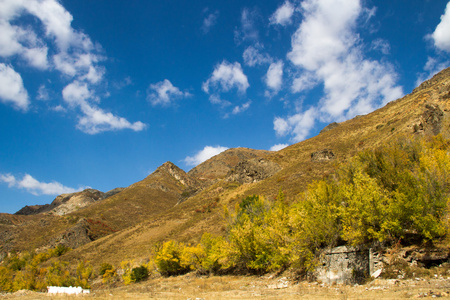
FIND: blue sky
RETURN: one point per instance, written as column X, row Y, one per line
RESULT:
column 100, row 93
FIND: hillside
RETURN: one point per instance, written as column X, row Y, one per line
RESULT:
column 172, row 204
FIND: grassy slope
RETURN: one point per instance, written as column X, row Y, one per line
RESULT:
column 146, row 213
column 183, row 223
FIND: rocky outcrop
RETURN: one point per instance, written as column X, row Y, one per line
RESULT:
column 431, row 119
column 220, row 165
column 67, row 203
column 253, row 170
column 329, row 127
column 178, row 174
column 83, row 232
column 322, row 155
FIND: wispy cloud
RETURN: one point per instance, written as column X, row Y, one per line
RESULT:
column 209, row 21
column 203, row 155
column 248, row 30
column 326, row 49
column 35, row 187
column 241, row 108
column 93, row 119
column 253, row 56
column 164, row 93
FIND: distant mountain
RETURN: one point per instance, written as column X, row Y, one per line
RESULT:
column 173, row 204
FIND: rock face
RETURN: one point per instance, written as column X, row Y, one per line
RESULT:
column 329, row 127
column 83, row 232
column 67, row 203
column 220, row 165
column 253, row 170
column 322, row 155
column 431, row 119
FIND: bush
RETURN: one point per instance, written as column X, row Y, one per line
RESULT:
column 139, row 274
column 105, row 267
column 169, row 259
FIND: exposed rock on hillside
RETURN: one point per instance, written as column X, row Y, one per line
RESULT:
column 253, row 170
column 431, row 119
column 329, row 127
column 322, row 155
column 67, row 203
column 218, row 166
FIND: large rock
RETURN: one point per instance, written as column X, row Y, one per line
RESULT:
column 323, row 155
column 253, row 170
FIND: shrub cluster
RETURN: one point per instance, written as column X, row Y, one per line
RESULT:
column 397, row 193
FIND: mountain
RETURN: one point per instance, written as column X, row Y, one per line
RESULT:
column 173, row 204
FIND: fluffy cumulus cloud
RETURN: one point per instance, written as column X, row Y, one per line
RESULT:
column 12, row 89
column 35, row 187
column 203, row 155
column 46, row 40
column 299, row 124
column 283, row 15
column 164, row 93
column 278, row 147
column 441, row 35
column 225, row 77
column 274, row 76
column 326, row 49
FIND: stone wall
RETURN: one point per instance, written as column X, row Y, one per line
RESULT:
column 344, row 265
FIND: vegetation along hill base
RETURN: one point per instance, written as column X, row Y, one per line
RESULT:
column 253, row 223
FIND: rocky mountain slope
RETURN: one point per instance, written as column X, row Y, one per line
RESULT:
column 173, row 204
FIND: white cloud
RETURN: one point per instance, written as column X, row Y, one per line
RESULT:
column 432, row 66
column 382, row 46
column 95, row 120
column 298, row 124
column 305, row 82
column 247, row 31
column 203, row 155
column 76, row 93
column 12, row 89
column 327, row 49
column 283, row 14
column 238, row 109
column 441, row 34
column 278, row 147
column 209, row 21
column 253, row 57
column 274, row 76
column 225, row 77
column 42, row 93
column 36, row 187
column 164, row 93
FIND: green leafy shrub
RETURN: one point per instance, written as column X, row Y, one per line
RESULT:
column 139, row 274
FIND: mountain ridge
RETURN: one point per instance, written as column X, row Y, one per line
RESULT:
column 173, row 204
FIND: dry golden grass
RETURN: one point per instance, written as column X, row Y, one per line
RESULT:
column 144, row 214
column 254, row 287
